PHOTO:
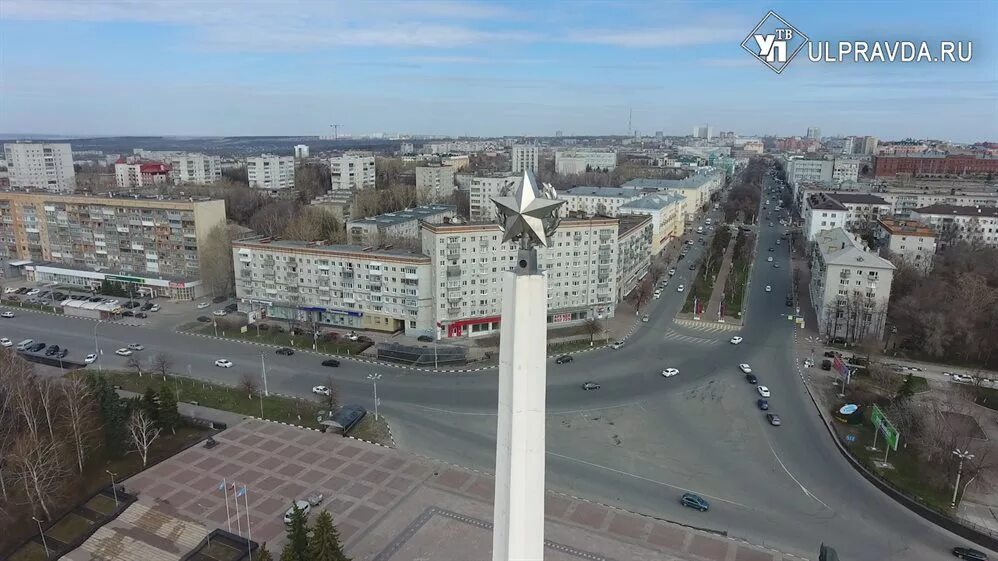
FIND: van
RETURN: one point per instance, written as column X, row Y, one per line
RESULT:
column 23, row 345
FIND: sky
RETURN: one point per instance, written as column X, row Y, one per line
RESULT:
column 293, row 67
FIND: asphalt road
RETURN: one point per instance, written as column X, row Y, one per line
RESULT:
column 637, row 443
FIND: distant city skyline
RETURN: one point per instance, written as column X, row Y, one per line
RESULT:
column 189, row 68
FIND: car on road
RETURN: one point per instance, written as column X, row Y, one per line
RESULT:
column 203, row 305
column 771, row 249
column 670, row 372
column 645, row 318
column 750, row 378
column 37, row 347
column 90, row 359
column 223, row 363
column 769, row 259
column 961, row 378
column 590, row 386
column 425, row 339
column 303, row 506
column 769, row 288
column 563, row 359
column 5, row 342
column 352, row 336
column 681, row 288
column 285, row 351
column 123, row 352
column 763, row 391
column 672, row 272
column 777, row 242
column 219, row 299
column 693, row 266
column 52, row 350
column 776, row 265
column 331, row 362
column 7, row 315
column 762, row 404
column 969, row 554
column 154, row 308
column 320, row 390
column 616, row 345
column 736, row 340
column 774, row 419
column 694, row 501
column 136, row 347
column 141, row 315
column 745, row 368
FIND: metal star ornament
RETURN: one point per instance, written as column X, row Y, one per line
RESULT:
column 530, row 215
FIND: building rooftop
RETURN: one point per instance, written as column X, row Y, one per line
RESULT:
column 654, row 201
column 837, row 247
column 906, row 228
column 631, row 222
column 821, row 201
column 599, row 192
column 858, row 199
column 418, row 213
column 954, row 210
column 296, row 245
column 103, row 198
column 661, row 184
column 144, row 275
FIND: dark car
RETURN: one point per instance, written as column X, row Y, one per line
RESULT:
column 789, row 302
column 35, row 348
column 141, row 315
column 590, row 386
column 694, row 501
column 771, row 249
column 693, row 266
column 425, row 339
column 346, row 418
column 204, row 319
column 681, row 257
column 284, row 351
column 750, row 378
column 21, row 290
column 132, row 304
column 127, row 313
column 826, row 364
column 52, row 350
column 832, row 354
column 331, row 362
column 231, row 308
column 763, row 404
column 219, row 299
column 62, row 353
column 147, row 306
column 858, row 361
column 563, row 359
column 969, row 554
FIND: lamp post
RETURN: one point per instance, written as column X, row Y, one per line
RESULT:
column 374, row 378
column 963, row 455
column 114, row 489
column 42, row 532
column 263, row 365
column 97, row 348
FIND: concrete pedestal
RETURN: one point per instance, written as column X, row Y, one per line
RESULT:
column 518, row 534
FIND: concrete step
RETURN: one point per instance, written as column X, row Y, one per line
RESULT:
column 108, row 545
column 185, row 534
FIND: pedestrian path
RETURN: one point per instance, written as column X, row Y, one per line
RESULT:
column 714, row 304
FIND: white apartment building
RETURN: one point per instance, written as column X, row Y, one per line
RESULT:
column 567, row 162
column 437, row 181
column 337, row 203
column 351, row 171
column 129, row 176
column 469, row 261
column 403, row 224
column 46, row 166
column 850, row 287
column 301, row 151
column 271, row 173
column 667, row 216
column 800, row 169
column 845, row 169
column 194, row 168
column 814, row 133
column 589, row 201
column 822, row 213
column 696, row 190
column 864, row 209
column 954, row 224
column 484, row 188
column 525, row 158
column 904, row 201
column 634, row 242
column 908, row 240
column 338, row 285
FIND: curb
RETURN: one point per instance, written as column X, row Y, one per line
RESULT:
column 393, row 447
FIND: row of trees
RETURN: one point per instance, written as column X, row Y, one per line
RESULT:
column 321, row 542
column 746, row 193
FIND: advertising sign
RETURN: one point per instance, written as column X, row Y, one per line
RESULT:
column 883, row 425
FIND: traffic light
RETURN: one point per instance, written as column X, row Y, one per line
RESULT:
column 827, row 554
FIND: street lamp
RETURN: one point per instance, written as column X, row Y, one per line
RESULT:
column 42, row 532
column 97, row 347
column 374, row 378
column 963, row 455
column 114, row 489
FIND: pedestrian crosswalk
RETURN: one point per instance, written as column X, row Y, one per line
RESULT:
column 673, row 335
column 707, row 326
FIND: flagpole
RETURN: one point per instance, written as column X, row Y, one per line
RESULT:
column 239, row 522
column 249, row 533
column 225, row 491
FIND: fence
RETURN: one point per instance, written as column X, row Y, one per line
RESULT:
column 421, row 355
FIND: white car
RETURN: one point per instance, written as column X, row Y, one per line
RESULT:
column 9, row 290
column 303, row 506
column 658, row 296
column 91, row 358
column 670, row 372
column 34, row 292
column 736, row 340
column 353, row 336
column 218, row 313
column 769, row 259
column 320, row 390
column 123, row 352
column 672, row 272
column 763, row 391
column 617, row 345
column 203, row 305
column 961, row 378
column 769, row 288
column 155, row 308
column 658, row 292
column 7, row 315
column 745, row 368
column 5, row 342
column 136, row 347
column 645, row 319
column 680, row 288
column 223, row 363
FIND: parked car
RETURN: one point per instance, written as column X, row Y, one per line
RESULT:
column 774, row 419
column 203, row 305
column 969, row 554
column 331, row 362
column 564, row 359
column 219, row 299
column 645, row 318
column 136, row 347
column 590, row 386
column 303, row 506
column 127, row 314
column 7, row 315
column 745, row 368
column 763, row 391
column 616, row 345
column 61, row 354
column 141, row 315
column 826, row 364
column 424, row 339
column 52, row 350
column 154, row 308
column 751, row 378
column 231, row 308
column 5, row 342
column 694, row 501
column 90, row 359
column 37, row 347
column 352, row 336
column 285, row 351
column 762, row 404
column 203, row 319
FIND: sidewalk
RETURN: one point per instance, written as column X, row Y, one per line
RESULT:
column 714, row 304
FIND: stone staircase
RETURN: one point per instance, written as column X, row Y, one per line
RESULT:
column 108, row 544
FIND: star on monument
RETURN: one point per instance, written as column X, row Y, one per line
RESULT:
column 529, row 215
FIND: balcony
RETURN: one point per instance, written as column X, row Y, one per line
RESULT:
column 453, row 297
column 453, row 271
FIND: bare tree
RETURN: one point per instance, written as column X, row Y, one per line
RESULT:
column 78, row 414
column 25, row 393
column 642, row 293
column 216, row 260
column 134, row 362
column 331, row 402
column 37, row 465
column 656, row 271
column 46, row 398
column 593, row 328
column 248, row 384
column 142, row 431
column 162, row 364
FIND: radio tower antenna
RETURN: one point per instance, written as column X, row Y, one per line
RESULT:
column 336, row 131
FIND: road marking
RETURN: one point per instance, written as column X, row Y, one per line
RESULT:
column 416, row 405
column 642, row 478
column 799, row 484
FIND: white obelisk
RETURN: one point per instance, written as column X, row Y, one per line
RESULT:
column 529, row 216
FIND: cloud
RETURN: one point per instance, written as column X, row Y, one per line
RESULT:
column 659, row 37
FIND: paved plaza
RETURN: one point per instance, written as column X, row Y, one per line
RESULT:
column 392, row 506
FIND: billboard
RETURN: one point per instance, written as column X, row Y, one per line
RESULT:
column 891, row 434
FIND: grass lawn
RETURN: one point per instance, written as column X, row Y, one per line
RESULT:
column 101, row 504
column 988, row 397
column 220, row 551
column 917, row 384
column 30, row 552
column 341, row 346
column 71, row 526
column 571, row 346
column 42, row 307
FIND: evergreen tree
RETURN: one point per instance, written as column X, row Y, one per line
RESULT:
column 169, row 416
column 149, row 404
column 296, row 548
column 325, row 544
column 262, row 553
column 112, row 409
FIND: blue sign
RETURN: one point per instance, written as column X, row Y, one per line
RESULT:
column 848, row 409
column 850, row 438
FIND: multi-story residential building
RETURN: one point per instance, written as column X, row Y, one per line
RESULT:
column 352, row 171
column 904, row 201
column 909, row 240
column 301, row 151
column 469, row 261
column 346, row 286
column 814, row 133
column 271, row 173
column 435, row 180
column 130, row 176
column 850, row 287
column 822, row 213
column 483, row 189
column 634, row 246
column 667, row 216
column 954, row 224
column 153, row 245
column 589, row 201
column 800, row 169
column 867, row 147
column 567, row 162
column 45, row 166
column 934, row 164
column 705, row 132
column 864, row 209
column 391, row 226
column 845, row 169
column 406, row 149
column 194, row 168
column 459, row 162
column 696, row 189
column 525, row 158
column 337, row 203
